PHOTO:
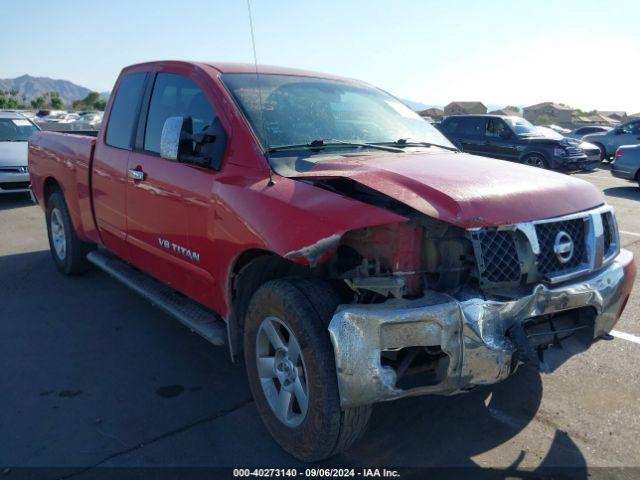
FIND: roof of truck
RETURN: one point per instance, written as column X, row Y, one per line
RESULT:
column 227, row 67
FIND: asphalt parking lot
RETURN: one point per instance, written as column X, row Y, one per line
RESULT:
column 94, row 376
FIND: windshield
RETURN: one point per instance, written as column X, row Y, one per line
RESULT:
column 521, row 126
column 298, row 110
column 16, row 129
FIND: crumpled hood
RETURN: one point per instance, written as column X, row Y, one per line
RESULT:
column 13, row 154
column 466, row 190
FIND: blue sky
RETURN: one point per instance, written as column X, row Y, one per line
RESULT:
column 584, row 53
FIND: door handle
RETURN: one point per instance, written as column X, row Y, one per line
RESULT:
column 137, row 175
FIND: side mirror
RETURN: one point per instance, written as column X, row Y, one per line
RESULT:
column 618, row 131
column 178, row 143
column 174, row 132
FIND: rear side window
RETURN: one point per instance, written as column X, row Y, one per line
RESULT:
column 449, row 125
column 175, row 95
column 471, row 126
column 122, row 119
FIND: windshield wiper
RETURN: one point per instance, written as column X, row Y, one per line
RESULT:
column 332, row 142
column 404, row 142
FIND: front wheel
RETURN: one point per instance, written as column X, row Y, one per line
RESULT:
column 68, row 251
column 291, row 369
column 535, row 160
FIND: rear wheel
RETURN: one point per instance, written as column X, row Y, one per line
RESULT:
column 68, row 251
column 291, row 369
column 535, row 160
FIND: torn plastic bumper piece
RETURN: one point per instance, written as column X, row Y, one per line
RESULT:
column 483, row 339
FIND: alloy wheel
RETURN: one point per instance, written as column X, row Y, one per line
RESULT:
column 282, row 372
column 57, row 234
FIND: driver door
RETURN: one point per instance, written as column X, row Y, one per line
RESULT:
column 167, row 201
column 499, row 140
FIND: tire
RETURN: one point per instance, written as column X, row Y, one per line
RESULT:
column 603, row 152
column 68, row 251
column 536, row 160
column 303, row 308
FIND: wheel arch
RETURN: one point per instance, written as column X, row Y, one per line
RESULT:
column 251, row 269
column 49, row 186
column 541, row 153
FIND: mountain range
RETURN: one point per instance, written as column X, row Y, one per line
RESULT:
column 29, row 88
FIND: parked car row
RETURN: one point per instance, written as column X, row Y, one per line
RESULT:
column 62, row 120
column 514, row 138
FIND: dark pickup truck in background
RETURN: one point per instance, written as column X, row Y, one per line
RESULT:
column 330, row 237
column 512, row 138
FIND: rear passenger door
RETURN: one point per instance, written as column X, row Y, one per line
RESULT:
column 109, row 167
column 168, row 210
column 469, row 134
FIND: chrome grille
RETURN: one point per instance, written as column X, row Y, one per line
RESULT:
column 14, row 169
column 574, row 151
column 535, row 251
column 499, row 256
column 548, row 262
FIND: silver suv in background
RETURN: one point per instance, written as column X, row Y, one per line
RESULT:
column 15, row 130
column 608, row 142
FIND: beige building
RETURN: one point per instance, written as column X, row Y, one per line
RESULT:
column 549, row 113
column 594, row 119
column 433, row 113
column 617, row 115
column 464, row 108
column 507, row 111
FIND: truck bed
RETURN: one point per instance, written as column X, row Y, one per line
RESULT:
column 65, row 157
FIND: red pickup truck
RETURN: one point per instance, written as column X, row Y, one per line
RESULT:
column 333, row 238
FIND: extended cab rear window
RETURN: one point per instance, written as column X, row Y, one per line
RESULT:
column 122, row 119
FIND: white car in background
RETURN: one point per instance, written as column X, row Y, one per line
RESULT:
column 558, row 129
column 87, row 121
column 591, row 151
column 57, row 120
column 15, row 131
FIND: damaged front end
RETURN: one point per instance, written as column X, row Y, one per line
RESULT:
column 480, row 341
column 438, row 309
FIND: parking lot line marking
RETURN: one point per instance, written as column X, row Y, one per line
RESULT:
column 626, row 336
column 630, row 233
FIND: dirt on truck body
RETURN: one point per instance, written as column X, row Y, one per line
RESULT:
column 334, row 240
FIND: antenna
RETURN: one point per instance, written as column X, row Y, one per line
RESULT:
column 260, row 102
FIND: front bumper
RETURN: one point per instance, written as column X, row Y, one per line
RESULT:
column 472, row 332
column 13, row 181
column 581, row 161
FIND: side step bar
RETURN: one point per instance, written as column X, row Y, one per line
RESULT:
column 195, row 316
